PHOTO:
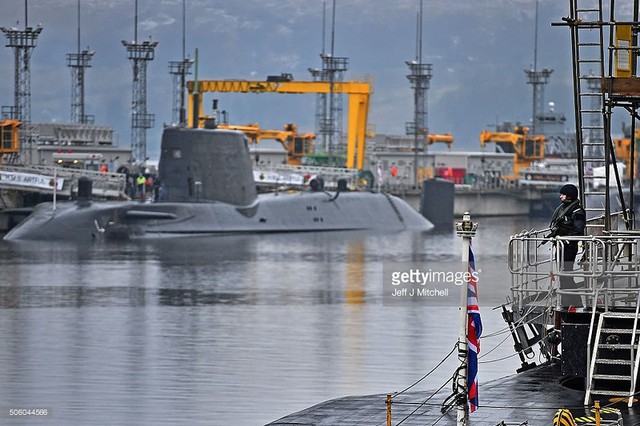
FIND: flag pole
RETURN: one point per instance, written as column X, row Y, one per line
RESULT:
column 467, row 230
column 55, row 187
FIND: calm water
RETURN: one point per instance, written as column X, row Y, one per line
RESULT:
column 229, row 330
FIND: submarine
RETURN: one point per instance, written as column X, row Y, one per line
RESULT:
column 208, row 190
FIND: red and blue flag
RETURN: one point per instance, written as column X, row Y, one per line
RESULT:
column 474, row 330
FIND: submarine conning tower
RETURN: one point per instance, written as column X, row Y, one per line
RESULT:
column 205, row 165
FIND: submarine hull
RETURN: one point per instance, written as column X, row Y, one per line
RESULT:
column 274, row 212
column 209, row 189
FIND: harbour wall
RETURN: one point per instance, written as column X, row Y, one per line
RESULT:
column 478, row 202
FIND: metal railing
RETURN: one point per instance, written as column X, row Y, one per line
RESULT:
column 105, row 185
column 607, row 268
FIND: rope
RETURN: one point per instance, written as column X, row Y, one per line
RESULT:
column 424, row 402
column 427, row 375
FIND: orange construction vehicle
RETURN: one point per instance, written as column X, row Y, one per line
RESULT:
column 8, row 137
column 623, row 150
column 297, row 144
column 526, row 148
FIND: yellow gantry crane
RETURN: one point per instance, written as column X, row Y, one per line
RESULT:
column 359, row 94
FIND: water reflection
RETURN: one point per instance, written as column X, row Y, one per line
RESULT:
column 233, row 330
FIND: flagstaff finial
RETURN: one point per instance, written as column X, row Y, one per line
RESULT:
column 466, row 228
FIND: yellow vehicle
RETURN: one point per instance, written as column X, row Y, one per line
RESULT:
column 623, row 150
column 526, row 149
column 8, row 137
column 296, row 144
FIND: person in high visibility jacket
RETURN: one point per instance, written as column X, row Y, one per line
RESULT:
column 140, row 183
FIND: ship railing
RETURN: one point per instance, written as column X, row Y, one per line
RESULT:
column 104, row 184
column 529, row 266
column 607, row 272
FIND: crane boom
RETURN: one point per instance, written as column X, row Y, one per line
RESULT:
column 526, row 148
column 297, row 144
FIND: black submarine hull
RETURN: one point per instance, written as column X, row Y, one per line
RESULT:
column 209, row 189
column 277, row 212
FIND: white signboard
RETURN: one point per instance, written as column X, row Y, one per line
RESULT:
column 30, row 180
column 272, row 177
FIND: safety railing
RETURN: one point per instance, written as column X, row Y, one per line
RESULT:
column 606, row 273
column 105, row 184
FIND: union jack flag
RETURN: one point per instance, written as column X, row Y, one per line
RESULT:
column 474, row 330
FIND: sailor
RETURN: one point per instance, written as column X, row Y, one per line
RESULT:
column 569, row 219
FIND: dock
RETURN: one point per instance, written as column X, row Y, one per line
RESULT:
column 529, row 398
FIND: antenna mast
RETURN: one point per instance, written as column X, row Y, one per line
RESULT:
column 538, row 79
column 329, row 105
column 140, row 54
column 78, row 62
column 179, row 71
column 419, row 78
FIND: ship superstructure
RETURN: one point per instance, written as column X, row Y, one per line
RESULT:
column 592, row 326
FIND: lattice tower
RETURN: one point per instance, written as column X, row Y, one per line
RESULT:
column 23, row 42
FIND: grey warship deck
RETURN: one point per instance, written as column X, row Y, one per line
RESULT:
column 533, row 396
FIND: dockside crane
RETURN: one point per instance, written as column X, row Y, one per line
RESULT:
column 446, row 138
column 526, row 148
column 297, row 144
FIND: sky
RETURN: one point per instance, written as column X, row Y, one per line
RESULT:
column 479, row 51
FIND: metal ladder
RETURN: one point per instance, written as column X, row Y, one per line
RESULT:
column 614, row 365
column 587, row 41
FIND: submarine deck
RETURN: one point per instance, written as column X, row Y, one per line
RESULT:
column 531, row 397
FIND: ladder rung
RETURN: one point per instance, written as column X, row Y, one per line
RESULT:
column 591, row 111
column 587, row 10
column 616, row 346
column 594, row 209
column 614, row 361
column 591, row 94
column 611, row 377
column 589, row 61
column 609, row 392
column 589, row 43
column 588, row 25
column 627, row 315
column 593, row 127
column 617, row 330
column 595, row 193
column 595, row 225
